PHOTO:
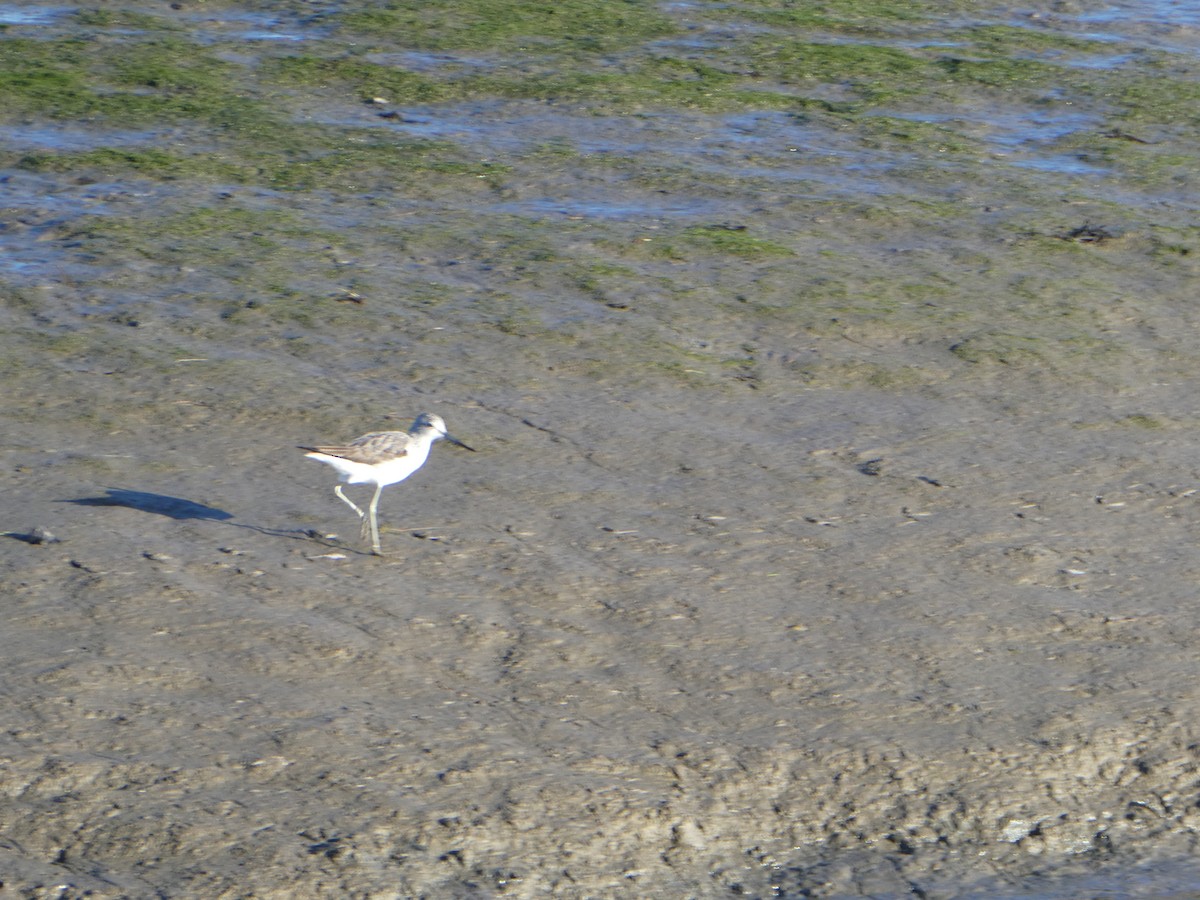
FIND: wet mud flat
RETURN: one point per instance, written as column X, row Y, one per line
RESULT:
column 831, row 531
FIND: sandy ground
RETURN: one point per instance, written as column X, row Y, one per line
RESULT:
column 864, row 567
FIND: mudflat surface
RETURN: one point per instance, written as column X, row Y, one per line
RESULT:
column 833, row 376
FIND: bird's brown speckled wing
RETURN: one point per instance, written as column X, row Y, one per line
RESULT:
column 370, row 449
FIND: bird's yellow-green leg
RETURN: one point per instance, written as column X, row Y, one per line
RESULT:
column 374, row 516
column 337, row 489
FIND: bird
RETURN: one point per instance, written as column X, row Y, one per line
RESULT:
column 382, row 458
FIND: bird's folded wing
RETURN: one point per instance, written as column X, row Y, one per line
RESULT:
column 370, row 449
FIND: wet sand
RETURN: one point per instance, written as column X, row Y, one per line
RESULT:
column 831, row 532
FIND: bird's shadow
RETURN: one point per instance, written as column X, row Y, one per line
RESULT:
column 160, row 504
column 182, row 509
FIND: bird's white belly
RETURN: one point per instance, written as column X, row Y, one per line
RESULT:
column 381, row 473
column 396, row 469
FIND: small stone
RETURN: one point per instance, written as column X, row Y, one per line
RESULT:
column 42, row 536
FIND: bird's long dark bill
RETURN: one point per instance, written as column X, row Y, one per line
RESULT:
column 459, row 443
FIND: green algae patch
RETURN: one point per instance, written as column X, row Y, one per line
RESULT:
column 365, row 164
column 658, row 82
column 1011, row 41
column 171, row 65
column 836, row 15
column 202, row 235
column 1161, row 98
column 149, row 162
column 1139, row 420
column 873, row 72
column 302, row 159
column 704, row 241
column 368, row 80
column 617, row 64
column 735, row 240
column 1004, row 73
column 165, row 79
column 884, row 130
column 661, row 83
column 588, row 26
column 45, row 78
